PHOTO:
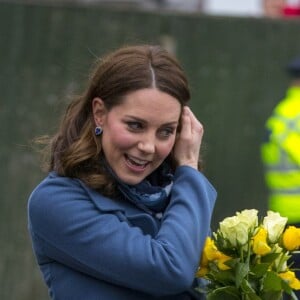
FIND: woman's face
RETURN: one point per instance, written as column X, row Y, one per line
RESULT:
column 139, row 133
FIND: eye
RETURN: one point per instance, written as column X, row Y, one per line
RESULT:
column 166, row 132
column 134, row 125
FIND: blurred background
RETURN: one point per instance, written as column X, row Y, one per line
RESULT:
column 234, row 53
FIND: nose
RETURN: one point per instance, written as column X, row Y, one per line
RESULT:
column 147, row 144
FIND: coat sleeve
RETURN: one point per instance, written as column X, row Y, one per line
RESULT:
column 71, row 231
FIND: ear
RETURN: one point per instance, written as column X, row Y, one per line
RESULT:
column 99, row 111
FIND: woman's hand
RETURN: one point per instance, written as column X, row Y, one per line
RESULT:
column 187, row 145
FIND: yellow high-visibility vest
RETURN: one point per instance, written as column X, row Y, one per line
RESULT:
column 281, row 156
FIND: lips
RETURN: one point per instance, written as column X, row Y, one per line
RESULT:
column 136, row 163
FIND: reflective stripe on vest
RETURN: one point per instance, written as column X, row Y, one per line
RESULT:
column 287, row 205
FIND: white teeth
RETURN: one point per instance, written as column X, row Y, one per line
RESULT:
column 137, row 161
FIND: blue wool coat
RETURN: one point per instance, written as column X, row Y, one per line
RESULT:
column 92, row 247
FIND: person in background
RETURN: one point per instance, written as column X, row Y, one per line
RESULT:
column 291, row 9
column 281, row 154
column 125, row 210
column 273, row 8
column 281, row 8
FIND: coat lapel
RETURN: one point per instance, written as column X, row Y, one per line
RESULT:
column 126, row 211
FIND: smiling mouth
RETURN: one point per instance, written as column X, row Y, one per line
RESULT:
column 136, row 163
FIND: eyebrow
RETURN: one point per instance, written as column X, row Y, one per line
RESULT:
column 175, row 123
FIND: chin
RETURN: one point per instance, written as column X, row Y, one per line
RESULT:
column 130, row 180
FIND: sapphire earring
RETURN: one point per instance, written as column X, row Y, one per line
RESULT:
column 98, row 130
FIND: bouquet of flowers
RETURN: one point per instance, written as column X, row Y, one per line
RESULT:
column 248, row 260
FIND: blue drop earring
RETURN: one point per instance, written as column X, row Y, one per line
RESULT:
column 98, row 130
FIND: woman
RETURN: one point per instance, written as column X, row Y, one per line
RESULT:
column 124, row 211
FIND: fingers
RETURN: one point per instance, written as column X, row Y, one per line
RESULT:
column 191, row 123
column 186, row 122
column 188, row 143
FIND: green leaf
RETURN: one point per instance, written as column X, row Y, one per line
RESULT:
column 286, row 287
column 272, row 295
column 224, row 293
column 246, row 287
column 269, row 258
column 225, row 277
column 272, row 282
column 242, row 269
column 232, row 262
column 252, row 296
column 259, row 270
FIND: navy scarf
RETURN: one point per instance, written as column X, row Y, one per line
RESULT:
column 150, row 194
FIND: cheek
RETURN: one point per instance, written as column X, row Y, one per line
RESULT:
column 164, row 149
column 118, row 137
column 122, row 141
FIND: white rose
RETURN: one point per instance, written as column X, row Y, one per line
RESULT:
column 235, row 231
column 249, row 217
column 275, row 225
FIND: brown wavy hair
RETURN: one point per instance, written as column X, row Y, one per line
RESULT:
column 75, row 151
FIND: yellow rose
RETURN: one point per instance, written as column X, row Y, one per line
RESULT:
column 209, row 253
column 291, row 238
column 291, row 279
column 221, row 261
column 274, row 224
column 202, row 271
column 260, row 245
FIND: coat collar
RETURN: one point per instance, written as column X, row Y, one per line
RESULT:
column 123, row 209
